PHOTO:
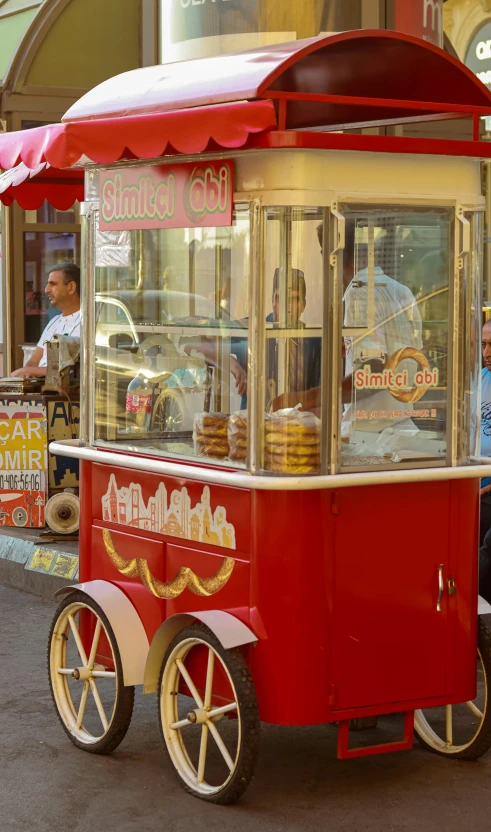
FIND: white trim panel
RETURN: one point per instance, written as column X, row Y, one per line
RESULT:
column 125, row 622
column 72, row 447
column 230, row 632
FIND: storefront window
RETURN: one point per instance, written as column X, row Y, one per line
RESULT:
column 171, row 324
column 396, row 270
column 42, row 250
column 47, row 214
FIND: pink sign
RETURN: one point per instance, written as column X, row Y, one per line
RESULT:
column 422, row 18
column 167, row 196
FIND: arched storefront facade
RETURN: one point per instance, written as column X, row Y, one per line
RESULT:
column 53, row 51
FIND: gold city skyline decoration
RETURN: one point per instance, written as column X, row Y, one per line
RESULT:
column 171, row 516
column 185, row 577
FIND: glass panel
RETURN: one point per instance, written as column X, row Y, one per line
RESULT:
column 171, row 314
column 396, row 267
column 472, row 283
column 42, row 250
column 47, row 214
column 293, row 285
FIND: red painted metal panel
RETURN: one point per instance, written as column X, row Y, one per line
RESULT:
column 233, row 597
column 371, row 144
column 389, row 641
column 346, row 753
column 340, row 587
column 162, row 505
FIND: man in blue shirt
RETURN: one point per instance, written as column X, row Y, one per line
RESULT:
column 485, row 519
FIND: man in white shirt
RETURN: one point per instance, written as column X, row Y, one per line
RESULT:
column 397, row 324
column 63, row 290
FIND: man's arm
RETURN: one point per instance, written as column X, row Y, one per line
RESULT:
column 32, row 368
column 208, row 350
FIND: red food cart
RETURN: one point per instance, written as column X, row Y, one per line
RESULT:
column 280, row 442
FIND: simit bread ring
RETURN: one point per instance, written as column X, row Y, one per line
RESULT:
column 211, row 450
column 289, row 428
column 217, row 430
column 281, row 438
column 283, row 468
column 211, row 419
column 237, row 442
column 423, row 364
column 217, row 442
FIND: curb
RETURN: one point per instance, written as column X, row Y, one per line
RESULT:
column 36, row 569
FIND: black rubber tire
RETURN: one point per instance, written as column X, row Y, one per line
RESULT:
column 482, row 740
column 249, row 713
column 125, row 697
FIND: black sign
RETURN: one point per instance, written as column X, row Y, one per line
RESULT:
column 478, row 56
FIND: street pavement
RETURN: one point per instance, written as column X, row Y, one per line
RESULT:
column 46, row 784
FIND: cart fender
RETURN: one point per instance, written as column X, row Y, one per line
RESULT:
column 230, row 631
column 126, row 624
column 483, row 608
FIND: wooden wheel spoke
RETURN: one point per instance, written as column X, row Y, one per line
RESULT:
column 83, row 702
column 95, row 642
column 78, row 640
column 187, row 678
column 449, row 727
column 223, row 709
column 202, row 753
column 209, row 677
column 221, row 745
column 181, row 723
column 474, row 709
column 99, row 705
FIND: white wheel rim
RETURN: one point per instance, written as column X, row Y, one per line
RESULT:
column 79, row 700
column 177, row 732
column 446, row 744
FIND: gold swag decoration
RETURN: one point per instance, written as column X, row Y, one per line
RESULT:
column 185, row 577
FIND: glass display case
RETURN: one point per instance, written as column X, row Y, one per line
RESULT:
column 354, row 355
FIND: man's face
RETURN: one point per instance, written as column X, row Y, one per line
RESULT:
column 57, row 290
column 295, row 306
column 486, row 344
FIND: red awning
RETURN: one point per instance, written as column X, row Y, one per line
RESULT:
column 31, row 187
column 141, row 137
column 335, row 82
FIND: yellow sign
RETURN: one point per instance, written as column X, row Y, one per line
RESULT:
column 23, row 445
column 65, row 566
column 41, row 560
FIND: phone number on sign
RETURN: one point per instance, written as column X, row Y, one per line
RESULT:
column 25, row 481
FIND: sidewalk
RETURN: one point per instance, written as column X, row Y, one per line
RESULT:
column 32, row 563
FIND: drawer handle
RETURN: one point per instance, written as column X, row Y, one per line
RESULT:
column 440, row 588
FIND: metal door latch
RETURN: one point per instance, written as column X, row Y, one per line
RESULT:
column 451, row 587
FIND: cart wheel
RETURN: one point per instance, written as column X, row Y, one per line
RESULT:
column 92, row 703
column 211, row 729
column 463, row 731
column 167, row 413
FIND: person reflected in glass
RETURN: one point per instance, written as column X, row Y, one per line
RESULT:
column 293, row 358
column 396, row 324
column 301, row 355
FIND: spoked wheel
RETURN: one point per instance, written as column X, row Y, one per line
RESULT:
column 167, row 414
column 85, row 676
column 463, row 731
column 208, row 716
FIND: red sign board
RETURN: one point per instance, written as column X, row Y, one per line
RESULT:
column 167, row 196
column 422, row 18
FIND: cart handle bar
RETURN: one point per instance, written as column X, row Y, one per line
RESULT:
column 74, row 448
